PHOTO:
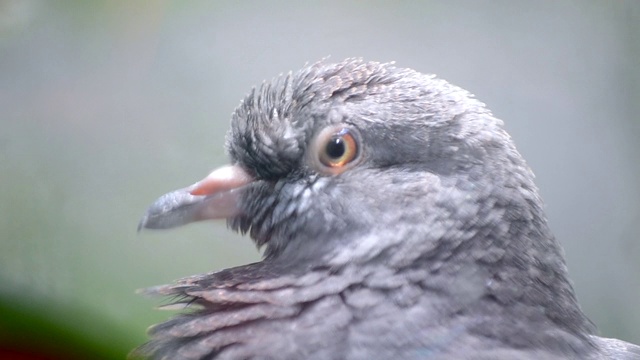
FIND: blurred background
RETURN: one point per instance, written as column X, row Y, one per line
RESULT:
column 105, row 105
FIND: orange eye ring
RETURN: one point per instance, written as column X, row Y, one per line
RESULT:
column 337, row 148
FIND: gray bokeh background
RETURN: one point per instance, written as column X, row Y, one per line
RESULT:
column 105, row 105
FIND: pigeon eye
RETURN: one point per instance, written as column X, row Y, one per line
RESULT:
column 337, row 148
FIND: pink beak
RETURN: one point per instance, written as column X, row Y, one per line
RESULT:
column 214, row 197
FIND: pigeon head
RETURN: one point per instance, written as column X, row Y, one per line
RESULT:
column 363, row 161
column 347, row 161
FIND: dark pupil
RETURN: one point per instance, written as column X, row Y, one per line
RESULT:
column 335, row 148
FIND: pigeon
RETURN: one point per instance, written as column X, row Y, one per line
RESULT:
column 397, row 221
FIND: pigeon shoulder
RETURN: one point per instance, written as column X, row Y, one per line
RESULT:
column 235, row 313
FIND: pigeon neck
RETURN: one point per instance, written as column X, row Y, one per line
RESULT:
column 509, row 267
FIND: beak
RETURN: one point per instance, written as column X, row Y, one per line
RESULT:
column 214, row 197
